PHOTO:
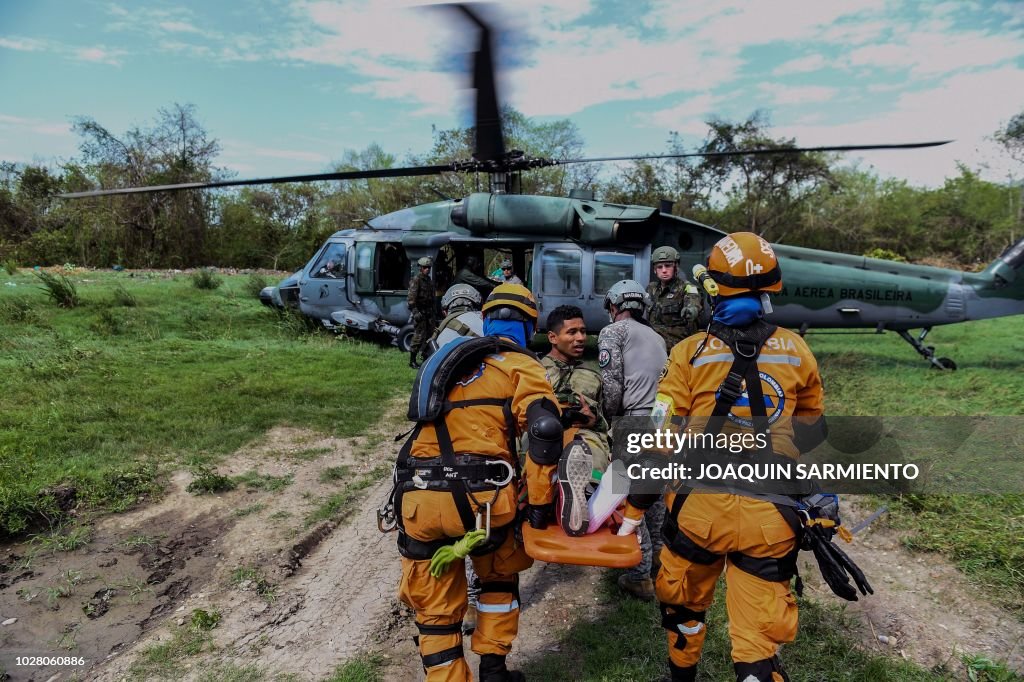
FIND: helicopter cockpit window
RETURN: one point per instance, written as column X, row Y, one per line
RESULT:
column 561, row 272
column 364, row 267
column 331, row 263
column 609, row 268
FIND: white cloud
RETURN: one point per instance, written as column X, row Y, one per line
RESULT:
column 686, row 117
column 23, row 44
column 812, row 62
column 99, row 55
column 34, row 125
column 936, row 53
column 783, row 95
column 243, row 149
column 967, row 107
column 179, row 27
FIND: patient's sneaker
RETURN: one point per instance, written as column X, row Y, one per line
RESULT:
column 574, row 471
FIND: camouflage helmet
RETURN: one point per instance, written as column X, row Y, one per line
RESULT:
column 664, row 254
column 461, row 292
column 509, row 302
column 425, row 262
column 627, row 294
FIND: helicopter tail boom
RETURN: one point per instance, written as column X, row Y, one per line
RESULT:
column 999, row 289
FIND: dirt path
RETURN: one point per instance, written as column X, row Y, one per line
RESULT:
column 300, row 598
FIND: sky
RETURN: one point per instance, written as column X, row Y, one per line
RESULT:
column 287, row 86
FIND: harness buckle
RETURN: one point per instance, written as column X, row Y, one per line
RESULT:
column 511, row 472
column 732, row 387
column 738, row 348
column 418, row 481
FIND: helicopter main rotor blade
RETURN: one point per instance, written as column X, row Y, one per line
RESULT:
column 489, row 144
column 337, row 175
column 761, row 152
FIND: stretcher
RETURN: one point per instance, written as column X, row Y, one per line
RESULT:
column 600, row 548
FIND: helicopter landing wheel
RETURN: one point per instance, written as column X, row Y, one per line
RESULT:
column 404, row 339
column 945, row 363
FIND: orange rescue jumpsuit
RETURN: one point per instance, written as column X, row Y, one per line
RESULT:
column 762, row 613
column 431, row 515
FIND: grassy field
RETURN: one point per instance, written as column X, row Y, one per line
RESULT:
column 628, row 643
column 881, row 375
column 150, row 372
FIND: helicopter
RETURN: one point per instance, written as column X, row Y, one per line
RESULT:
column 570, row 250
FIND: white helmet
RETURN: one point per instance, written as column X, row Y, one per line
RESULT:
column 464, row 292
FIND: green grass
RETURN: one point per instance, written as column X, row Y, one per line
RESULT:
column 628, row 643
column 364, row 668
column 227, row 672
column 340, row 503
column 251, row 509
column 881, row 375
column 108, row 399
column 983, row 669
column 60, row 541
column 163, row 660
column 338, row 473
column 257, row 481
column 252, row 578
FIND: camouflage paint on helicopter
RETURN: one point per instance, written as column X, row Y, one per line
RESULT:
column 578, row 247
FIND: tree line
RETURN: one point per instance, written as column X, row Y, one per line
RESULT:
column 807, row 199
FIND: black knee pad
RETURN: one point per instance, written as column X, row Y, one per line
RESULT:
column 545, row 430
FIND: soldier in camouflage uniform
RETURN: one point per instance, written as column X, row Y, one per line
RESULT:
column 577, row 388
column 676, row 302
column 631, row 356
column 470, row 274
column 421, row 310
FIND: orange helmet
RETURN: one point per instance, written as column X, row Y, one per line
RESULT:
column 742, row 262
column 509, row 300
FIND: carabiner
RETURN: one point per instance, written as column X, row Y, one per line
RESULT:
column 487, row 527
column 508, row 478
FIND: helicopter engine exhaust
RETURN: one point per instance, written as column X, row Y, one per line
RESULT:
column 593, row 222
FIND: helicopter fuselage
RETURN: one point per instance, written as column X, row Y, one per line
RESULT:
column 570, row 251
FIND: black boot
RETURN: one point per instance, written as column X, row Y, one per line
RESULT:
column 492, row 669
column 412, row 360
column 766, row 670
column 679, row 674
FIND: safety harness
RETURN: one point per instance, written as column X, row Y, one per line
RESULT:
column 812, row 527
column 459, row 473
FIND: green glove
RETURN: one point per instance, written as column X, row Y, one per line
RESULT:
column 444, row 556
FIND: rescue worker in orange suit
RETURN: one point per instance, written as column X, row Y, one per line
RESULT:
column 506, row 395
column 748, row 537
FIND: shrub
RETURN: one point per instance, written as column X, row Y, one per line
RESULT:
column 11, row 266
column 17, row 310
column 255, row 284
column 60, row 289
column 123, row 297
column 204, row 620
column 206, row 278
column 206, row 480
column 108, row 323
column 885, row 254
